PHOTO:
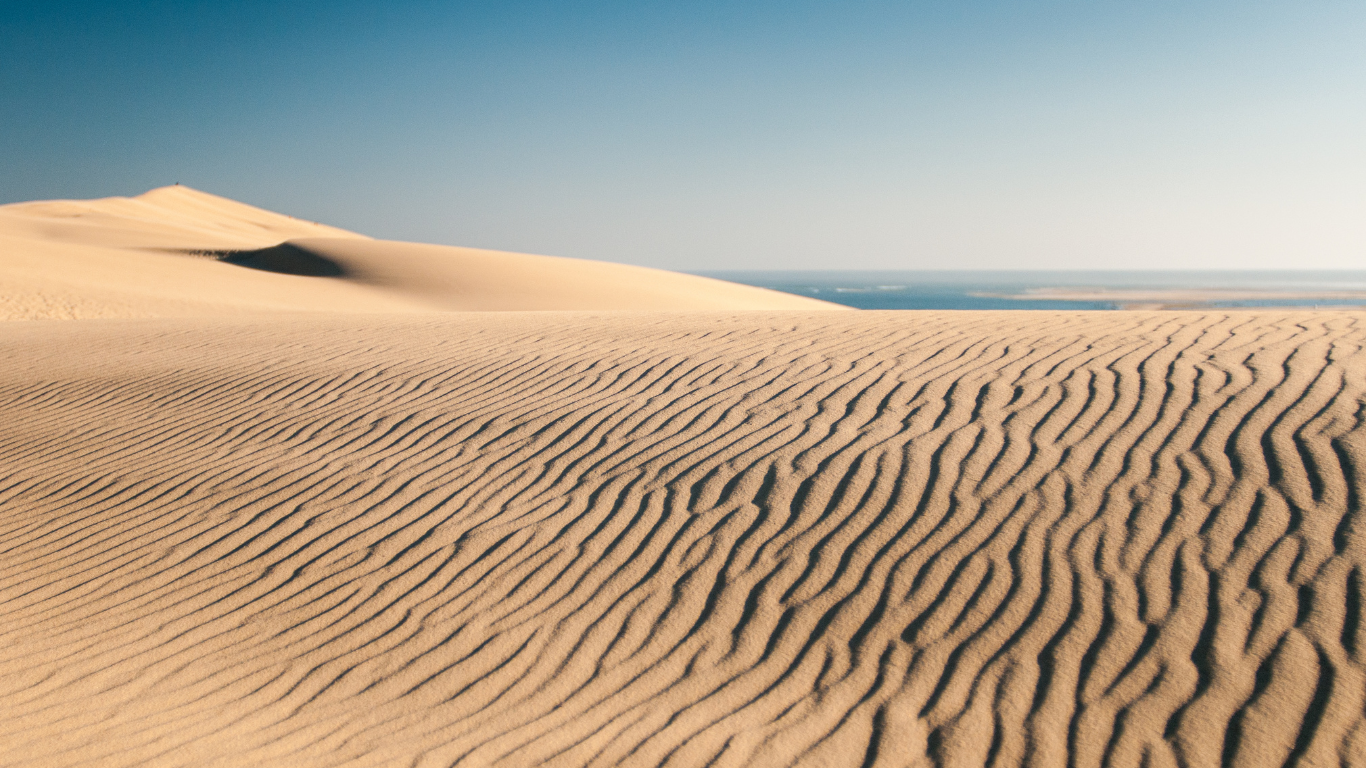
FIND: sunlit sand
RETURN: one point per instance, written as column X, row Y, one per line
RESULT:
column 179, row 252
column 292, row 505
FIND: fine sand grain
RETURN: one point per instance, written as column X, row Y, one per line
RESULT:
column 307, row 511
column 684, row 539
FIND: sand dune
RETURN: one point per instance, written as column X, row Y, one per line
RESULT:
column 173, row 218
column 469, row 279
column 177, row 252
column 836, row 539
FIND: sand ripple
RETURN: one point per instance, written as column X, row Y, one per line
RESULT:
column 1130, row 539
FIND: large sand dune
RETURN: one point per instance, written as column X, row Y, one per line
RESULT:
column 178, row 252
column 685, row 539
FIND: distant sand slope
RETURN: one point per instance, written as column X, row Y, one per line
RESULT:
column 470, row 279
column 840, row 539
column 158, row 255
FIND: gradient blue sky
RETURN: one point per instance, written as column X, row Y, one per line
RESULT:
column 714, row 135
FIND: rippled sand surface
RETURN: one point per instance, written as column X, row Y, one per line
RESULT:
column 684, row 539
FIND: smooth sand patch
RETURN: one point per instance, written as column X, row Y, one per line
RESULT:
column 178, row 252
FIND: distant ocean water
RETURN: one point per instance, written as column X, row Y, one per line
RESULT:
column 1065, row 289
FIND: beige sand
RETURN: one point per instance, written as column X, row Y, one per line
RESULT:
column 683, row 538
column 178, row 252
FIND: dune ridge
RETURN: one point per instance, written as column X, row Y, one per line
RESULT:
column 179, row 252
column 175, row 218
column 684, row 539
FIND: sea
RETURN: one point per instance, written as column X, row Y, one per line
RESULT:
column 1099, row 290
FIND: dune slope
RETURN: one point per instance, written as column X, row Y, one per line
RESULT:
column 837, row 539
column 173, row 218
column 179, row 252
column 444, row 277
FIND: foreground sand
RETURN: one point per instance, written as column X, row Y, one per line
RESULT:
column 684, row 539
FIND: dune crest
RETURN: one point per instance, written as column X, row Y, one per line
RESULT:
column 819, row 539
column 172, row 218
column 174, row 252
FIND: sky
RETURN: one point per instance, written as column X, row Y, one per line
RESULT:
column 723, row 135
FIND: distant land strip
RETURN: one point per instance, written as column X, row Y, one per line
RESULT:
column 1193, row 298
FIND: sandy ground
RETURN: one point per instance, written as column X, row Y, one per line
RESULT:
column 179, row 252
column 729, row 537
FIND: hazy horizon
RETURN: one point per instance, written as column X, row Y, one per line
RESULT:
column 878, row 136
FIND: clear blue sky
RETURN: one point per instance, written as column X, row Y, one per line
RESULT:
column 713, row 135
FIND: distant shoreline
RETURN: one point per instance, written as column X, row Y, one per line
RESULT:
column 1191, row 299
column 1068, row 290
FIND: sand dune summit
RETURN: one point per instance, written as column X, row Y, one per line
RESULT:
column 176, row 252
column 682, row 538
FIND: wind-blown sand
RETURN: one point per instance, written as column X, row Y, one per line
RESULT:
column 682, row 538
